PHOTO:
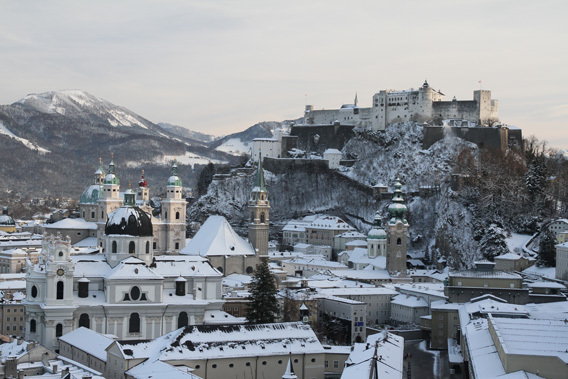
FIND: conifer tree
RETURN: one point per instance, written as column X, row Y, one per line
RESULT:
column 263, row 306
column 547, row 250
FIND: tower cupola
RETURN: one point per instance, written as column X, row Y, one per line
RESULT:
column 174, row 179
column 397, row 209
column 111, row 177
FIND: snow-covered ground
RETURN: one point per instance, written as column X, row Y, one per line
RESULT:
column 516, row 242
column 30, row 145
column 235, row 146
column 186, row 159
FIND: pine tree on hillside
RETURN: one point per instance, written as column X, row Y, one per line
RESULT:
column 205, row 178
column 493, row 243
column 547, row 250
column 263, row 306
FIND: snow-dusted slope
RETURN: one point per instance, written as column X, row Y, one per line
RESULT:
column 235, row 146
column 30, row 145
column 81, row 104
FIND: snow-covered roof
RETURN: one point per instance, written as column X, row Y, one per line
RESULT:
column 351, row 234
column 72, row 223
column 176, row 265
column 388, row 362
column 13, row 285
column 330, row 223
column 483, row 355
column 202, row 342
column 509, row 256
column 546, row 285
column 13, row 349
column 362, row 274
column 87, row 242
column 154, row 368
column 132, row 269
column 89, row 341
column 495, row 274
column 532, row 337
column 217, row 237
column 356, row 243
column 236, row 280
column 332, row 151
column 409, row 301
column 315, row 262
column 358, row 291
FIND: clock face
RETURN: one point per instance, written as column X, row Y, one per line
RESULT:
column 60, row 272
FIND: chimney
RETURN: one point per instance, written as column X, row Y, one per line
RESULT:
column 19, row 339
column 64, row 372
column 45, row 359
column 11, row 369
column 54, row 368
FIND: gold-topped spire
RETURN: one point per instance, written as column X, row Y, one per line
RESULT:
column 100, row 160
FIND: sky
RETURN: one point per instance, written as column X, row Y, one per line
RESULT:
column 218, row 67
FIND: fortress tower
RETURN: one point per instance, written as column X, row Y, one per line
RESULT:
column 259, row 209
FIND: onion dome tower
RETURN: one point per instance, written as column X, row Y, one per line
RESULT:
column 259, row 209
column 397, row 233
column 128, row 232
column 143, row 194
column 90, row 198
column 109, row 201
column 377, row 239
column 173, row 214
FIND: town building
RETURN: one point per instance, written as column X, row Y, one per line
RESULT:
column 422, row 104
column 562, row 261
column 127, row 291
column 7, row 223
column 558, row 226
column 513, row 262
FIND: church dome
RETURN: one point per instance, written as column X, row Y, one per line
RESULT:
column 7, row 220
column 112, row 179
column 174, row 180
column 377, row 233
column 91, row 195
column 131, row 221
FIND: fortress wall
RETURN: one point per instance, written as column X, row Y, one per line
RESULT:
column 325, row 116
column 329, row 136
column 492, row 138
column 456, row 109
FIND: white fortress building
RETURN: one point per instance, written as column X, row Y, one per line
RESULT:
column 421, row 105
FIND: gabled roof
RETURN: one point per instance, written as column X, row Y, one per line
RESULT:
column 217, row 237
column 89, row 341
column 132, row 269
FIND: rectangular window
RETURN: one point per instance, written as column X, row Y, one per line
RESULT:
column 177, row 245
column 335, row 364
column 326, row 364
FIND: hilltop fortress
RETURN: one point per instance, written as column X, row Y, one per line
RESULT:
column 422, row 104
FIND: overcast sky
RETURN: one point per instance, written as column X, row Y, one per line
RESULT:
column 221, row 66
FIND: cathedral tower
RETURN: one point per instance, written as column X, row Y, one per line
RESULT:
column 110, row 200
column 89, row 203
column 259, row 209
column 397, row 231
column 173, row 214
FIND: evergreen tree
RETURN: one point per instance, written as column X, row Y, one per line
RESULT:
column 547, row 249
column 205, row 178
column 493, row 243
column 290, row 311
column 263, row 305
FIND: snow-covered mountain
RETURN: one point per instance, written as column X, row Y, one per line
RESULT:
column 59, row 136
column 190, row 134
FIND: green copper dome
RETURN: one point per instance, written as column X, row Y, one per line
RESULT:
column 91, row 195
column 377, row 232
column 111, row 177
column 397, row 209
column 174, row 180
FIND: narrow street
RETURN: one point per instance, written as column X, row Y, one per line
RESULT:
column 425, row 364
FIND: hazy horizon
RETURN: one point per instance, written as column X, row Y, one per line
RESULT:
column 220, row 67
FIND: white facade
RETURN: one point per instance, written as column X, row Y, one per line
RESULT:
column 268, row 147
column 562, row 261
column 420, row 104
column 558, row 226
column 333, row 157
column 409, row 309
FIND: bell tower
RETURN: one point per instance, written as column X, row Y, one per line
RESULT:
column 259, row 209
column 110, row 200
column 397, row 233
column 173, row 214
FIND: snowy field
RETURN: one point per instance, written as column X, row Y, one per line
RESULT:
column 235, row 146
column 4, row 130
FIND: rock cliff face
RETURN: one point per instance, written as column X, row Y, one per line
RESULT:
column 438, row 221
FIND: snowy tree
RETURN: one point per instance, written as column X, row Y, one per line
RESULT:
column 263, row 306
column 547, row 249
column 493, row 243
column 535, row 178
column 205, row 178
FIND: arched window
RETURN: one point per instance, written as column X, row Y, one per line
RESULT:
column 58, row 330
column 114, row 248
column 84, row 320
column 220, row 269
column 262, row 218
column 398, row 241
column 134, row 323
column 147, row 247
column 131, row 248
column 183, row 320
column 34, row 292
column 60, row 289
column 177, row 215
column 32, row 326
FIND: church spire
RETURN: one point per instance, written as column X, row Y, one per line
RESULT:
column 356, row 100
column 289, row 374
column 259, row 178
